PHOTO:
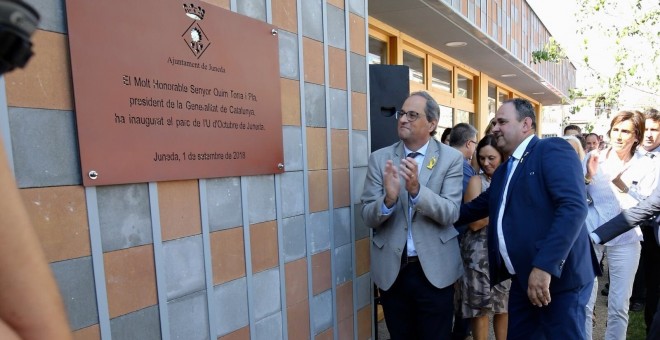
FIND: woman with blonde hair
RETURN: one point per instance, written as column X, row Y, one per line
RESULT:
column 577, row 145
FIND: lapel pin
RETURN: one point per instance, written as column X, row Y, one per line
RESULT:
column 523, row 157
column 432, row 163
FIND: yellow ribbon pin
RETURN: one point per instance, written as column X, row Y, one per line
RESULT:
column 432, row 162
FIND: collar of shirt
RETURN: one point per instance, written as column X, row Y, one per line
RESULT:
column 421, row 150
column 518, row 153
column 655, row 151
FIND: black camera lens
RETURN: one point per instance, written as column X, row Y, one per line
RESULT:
column 18, row 21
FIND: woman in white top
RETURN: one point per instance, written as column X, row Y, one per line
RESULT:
column 618, row 178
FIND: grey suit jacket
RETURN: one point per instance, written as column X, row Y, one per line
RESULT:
column 646, row 209
column 437, row 208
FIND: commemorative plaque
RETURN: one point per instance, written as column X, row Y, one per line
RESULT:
column 168, row 90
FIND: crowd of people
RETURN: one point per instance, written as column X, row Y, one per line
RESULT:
column 457, row 236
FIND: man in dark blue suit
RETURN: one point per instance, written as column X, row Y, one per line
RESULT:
column 537, row 206
column 645, row 210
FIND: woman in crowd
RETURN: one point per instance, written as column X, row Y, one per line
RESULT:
column 478, row 298
column 618, row 178
column 577, row 145
column 445, row 136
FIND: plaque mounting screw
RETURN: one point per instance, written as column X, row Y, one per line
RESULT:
column 280, row 166
column 273, row 31
column 93, row 175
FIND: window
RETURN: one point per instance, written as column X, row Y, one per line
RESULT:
column 464, row 117
column 492, row 100
column 502, row 96
column 446, row 117
column 441, row 78
column 377, row 51
column 464, row 87
column 416, row 65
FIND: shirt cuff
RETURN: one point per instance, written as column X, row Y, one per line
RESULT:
column 413, row 200
column 385, row 210
column 595, row 238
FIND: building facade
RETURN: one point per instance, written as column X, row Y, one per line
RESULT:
column 257, row 257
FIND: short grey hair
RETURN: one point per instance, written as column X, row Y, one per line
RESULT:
column 432, row 109
column 461, row 133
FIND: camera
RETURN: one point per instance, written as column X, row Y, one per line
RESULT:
column 18, row 21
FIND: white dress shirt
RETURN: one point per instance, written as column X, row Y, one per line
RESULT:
column 410, row 244
column 640, row 175
column 518, row 154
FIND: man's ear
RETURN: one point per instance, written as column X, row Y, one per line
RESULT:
column 527, row 123
column 433, row 125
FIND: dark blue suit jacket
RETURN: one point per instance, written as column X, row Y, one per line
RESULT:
column 543, row 221
column 628, row 219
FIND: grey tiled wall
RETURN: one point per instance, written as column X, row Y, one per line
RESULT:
column 232, row 306
column 141, row 324
column 188, row 317
column 293, row 156
column 224, row 200
column 261, row 198
column 321, row 306
column 338, row 109
column 295, row 243
column 45, row 147
column 269, row 328
column 255, row 9
column 336, row 27
column 184, row 266
column 266, row 293
column 76, row 282
column 312, row 19
column 315, row 105
column 53, row 15
column 124, row 216
column 288, row 44
column 319, row 225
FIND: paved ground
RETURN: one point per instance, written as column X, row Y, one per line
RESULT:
column 598, row 332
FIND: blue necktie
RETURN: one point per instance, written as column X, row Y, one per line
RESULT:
column 413, row 154
column 509, row 166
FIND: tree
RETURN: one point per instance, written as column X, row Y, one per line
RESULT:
column 625, row 53
column 630, row 33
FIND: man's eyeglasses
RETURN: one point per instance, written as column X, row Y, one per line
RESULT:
column 469, row 141
column 412, row 115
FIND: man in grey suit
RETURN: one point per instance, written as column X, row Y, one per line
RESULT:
column 645, row 210
column 411, row 199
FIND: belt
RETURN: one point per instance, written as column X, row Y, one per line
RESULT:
column 409, row 259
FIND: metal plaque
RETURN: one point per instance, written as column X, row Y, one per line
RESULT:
column 168, row 90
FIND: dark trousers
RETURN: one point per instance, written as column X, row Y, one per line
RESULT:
column 654, row 331
column 651, row 259
column 563, row 318
column 415, row 309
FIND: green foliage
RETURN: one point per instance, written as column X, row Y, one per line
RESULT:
column 589, row 127
column 552, row 52
column 630, row 30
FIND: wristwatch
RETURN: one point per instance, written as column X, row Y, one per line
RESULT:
column 587, row 181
